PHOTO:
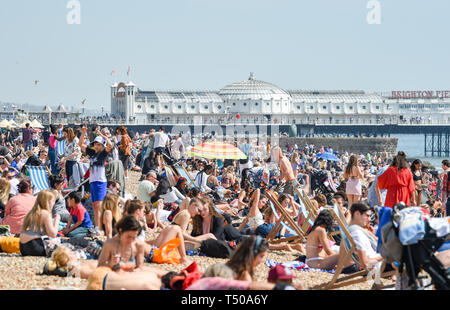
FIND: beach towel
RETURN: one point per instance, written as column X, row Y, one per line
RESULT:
column 297, row 265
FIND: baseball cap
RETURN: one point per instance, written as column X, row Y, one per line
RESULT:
column 99, row 140
column 279, row 272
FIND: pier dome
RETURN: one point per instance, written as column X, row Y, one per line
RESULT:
column 252, row 89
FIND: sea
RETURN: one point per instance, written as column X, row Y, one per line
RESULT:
column 414, row 147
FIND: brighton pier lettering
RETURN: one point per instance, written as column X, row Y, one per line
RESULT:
column 420, row 94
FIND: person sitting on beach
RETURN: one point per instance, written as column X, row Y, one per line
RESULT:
column 183, row 218
column 247, row 256
column 318, row 248
column 123, row 251
column 79, row 223
column 147, row 187
column 153, row 218
column 168, row 233
column 57, row 185
column 113, row 187
column 110, row 215
column 5, row 195
column 288, row 203
column 210, row 221
column 201, row 179
column 136, row 208
column 182, row 187
column 37, row 224
column 366, row 243
column 18, row 206
column 256, row 223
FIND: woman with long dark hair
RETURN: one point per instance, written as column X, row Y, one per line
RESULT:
column 416, row 170
column 398, row 181
column 248, row 255
column 318, row 250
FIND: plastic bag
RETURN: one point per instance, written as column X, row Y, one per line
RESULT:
column 168, row 253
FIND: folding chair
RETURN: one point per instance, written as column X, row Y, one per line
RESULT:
column 60, row 145
column 283, row 220
column 38, row 176
column 183, row 173
column 347, row 251
column 309, row 212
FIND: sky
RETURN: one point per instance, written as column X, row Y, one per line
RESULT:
column 208, row 44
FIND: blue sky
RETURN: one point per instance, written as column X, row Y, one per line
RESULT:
column 207, row 44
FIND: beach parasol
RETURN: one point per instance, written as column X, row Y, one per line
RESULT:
column 24, row 123
column 13, row 124
column 327, row 156
column 4, row 123
column 36, row 124
column 216, row 150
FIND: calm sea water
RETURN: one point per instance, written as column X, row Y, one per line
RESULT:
column 414, row 147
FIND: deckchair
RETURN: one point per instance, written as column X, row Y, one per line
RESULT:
column 60, row 145
column 38, row 176
column 183, row 173
column 283, row 220
column 347, row 251
column 309, row 212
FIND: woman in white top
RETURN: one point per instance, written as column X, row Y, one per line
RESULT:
column 72, row 152
column 173, row 195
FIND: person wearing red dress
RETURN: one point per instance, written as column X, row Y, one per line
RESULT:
column 398, row 180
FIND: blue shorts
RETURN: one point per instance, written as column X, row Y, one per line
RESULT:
column 98, row 191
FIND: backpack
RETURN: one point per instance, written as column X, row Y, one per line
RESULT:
column 390, row 247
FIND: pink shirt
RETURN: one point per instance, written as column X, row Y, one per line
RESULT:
column 52, row 141
column 15, row 211
column 217, row 283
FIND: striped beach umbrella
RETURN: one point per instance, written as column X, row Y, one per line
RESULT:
column 216, row 150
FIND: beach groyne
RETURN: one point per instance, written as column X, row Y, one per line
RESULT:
column 342, row 144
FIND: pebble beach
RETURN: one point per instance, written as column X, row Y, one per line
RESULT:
column 23, row 273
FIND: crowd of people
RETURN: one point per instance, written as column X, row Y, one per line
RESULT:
column 218, row 208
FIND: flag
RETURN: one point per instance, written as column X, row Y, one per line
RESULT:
column 129, row 70
column 112, row 72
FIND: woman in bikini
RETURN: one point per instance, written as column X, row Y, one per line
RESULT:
column 124, row 252
column 318, row 250
column 416, row 169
